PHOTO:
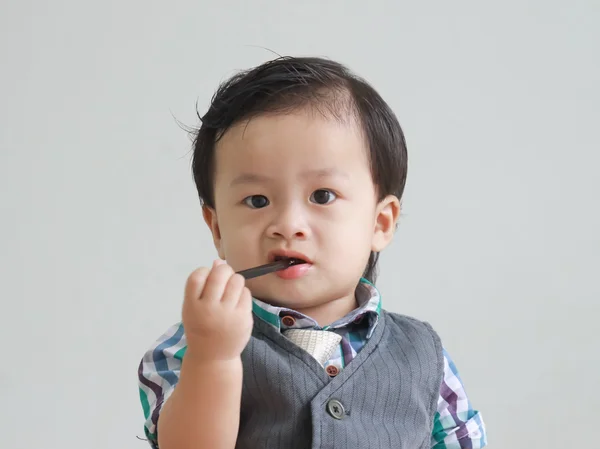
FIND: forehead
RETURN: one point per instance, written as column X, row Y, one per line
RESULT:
column 286, row 145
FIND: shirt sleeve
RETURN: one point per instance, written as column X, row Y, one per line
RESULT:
column 158, row 374
column 456, row 424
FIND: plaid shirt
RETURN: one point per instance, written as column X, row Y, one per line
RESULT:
column 456, row 424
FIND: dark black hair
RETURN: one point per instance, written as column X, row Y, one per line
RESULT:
column 287, row 84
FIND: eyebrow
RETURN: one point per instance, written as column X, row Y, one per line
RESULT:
column 253, row 178
column 249, row 178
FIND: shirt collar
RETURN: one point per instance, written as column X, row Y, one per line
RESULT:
column 369, row 307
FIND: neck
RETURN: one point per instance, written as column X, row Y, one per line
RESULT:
column 325, row 314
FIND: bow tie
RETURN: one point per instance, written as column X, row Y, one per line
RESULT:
column 319, row 344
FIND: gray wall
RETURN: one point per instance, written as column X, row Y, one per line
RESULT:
column 498, row 246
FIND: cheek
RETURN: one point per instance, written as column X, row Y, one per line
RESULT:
column 240, row 240
column 348, row 258
column 352, row 239
column 235, row 222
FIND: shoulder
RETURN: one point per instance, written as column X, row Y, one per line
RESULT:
column 170, row 345
column 420, row 335
column 410, row 325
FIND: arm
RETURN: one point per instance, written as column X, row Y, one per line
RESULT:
column 204, row 409
column 456, row 424
column 197, row 397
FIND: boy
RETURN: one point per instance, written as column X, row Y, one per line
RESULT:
column 300, row 158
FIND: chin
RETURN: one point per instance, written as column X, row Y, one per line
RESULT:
column 288, row 299
column 293, row 303
column 294, row 295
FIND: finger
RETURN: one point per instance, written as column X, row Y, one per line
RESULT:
column 195, row 283
column 216, row 282
column 233, row 290
column 245, row 300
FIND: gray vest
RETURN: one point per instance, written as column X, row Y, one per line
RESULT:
column 385, row 398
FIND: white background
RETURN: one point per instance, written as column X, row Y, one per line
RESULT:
column 100, row 225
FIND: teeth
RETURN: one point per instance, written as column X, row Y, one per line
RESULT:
column 292, row 260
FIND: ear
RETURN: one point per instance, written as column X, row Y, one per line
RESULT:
column 386, row 219
column 210, row 217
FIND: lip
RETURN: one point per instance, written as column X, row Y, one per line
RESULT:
column 294, row 272
column 289, row 254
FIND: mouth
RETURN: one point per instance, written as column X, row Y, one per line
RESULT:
column 299, row 264
column 294, row 257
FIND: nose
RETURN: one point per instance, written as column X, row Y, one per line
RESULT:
column 289, row 222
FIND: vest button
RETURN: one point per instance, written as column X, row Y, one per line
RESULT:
column 332, row 370
column 336, row 409
column 288, row 321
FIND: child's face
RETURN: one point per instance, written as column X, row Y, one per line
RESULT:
column 298, row 182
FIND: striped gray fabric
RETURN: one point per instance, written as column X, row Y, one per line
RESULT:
column 389, row 392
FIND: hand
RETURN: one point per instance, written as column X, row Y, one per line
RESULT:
column 217, row 314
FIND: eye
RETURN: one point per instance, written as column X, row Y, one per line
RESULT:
column 256, row 201
column 322, row 196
